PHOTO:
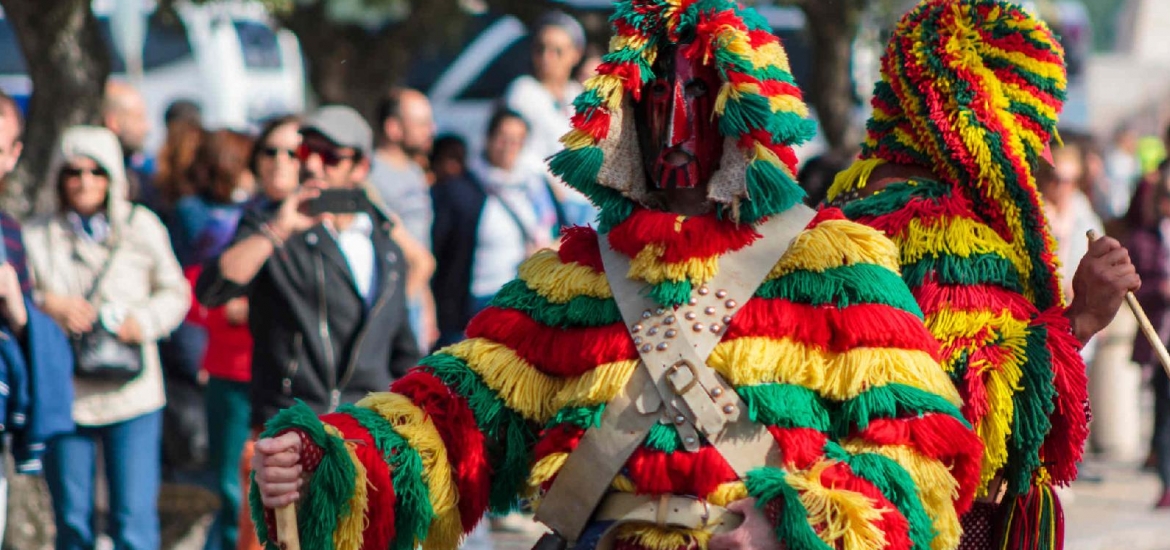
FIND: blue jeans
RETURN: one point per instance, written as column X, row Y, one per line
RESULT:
column 131, row 452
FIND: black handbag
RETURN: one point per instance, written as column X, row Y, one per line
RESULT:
column 99, row 354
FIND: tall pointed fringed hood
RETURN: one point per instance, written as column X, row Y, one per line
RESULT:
column 760, row 110
column 971, row 89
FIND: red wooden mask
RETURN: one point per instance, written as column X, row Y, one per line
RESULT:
column 677, row 130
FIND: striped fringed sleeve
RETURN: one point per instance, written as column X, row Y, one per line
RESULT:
column 1017, row 368
column 876, row 453
column 422, row 463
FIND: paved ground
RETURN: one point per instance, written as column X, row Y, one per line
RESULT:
column 1118, row 513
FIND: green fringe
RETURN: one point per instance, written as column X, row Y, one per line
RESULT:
column 581, row 417
column 512, row 435
column 990, row 269
column 581, row 311
column 326, row 499
column 770, row 192
column 842, row 287
column 889, row 401
column 895, row 197
column 786, row 406
column 1033, row 406
column 671, row 293
column 897, row 486
column 577, row 166
column 768, row 484
column 663, row 438
column 412, row 519
column 258, row 518
column 751, row 111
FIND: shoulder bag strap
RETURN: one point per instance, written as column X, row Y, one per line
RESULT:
column 101, row 275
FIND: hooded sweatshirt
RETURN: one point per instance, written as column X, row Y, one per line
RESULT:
column 144, row 280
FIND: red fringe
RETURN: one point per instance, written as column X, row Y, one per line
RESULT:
column 466, row 445
column 933, row 297
column 594, row 121
column 562, row 438
column 700, row 237
column 554, row 351
column 380, row 510
column 1065, row 443
column 895, row 527
column 938, row 436
column 832, row 328
column 579, row 245
column 655, row 472
column 800, row 448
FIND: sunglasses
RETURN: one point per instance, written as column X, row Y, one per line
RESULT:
column 541, row 49
column 74, row 172
column 329, row 156
column 273, row 152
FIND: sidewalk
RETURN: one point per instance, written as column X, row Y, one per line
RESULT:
column 1116, row 514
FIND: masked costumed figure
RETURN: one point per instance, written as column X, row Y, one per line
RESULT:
column 965, row 111
column 713, row 359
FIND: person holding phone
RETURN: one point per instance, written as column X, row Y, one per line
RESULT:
column 325, row 278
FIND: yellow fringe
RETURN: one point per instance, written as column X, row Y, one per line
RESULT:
column 576, row 139
column 854, row 177
column 413, row 424
column 962, row 237
column 788, row 104
column 728, row 493
column 1001, row 380
column 651, row 537
column 546, row 468
column 837, row 243
column 524, row 389
column 348, row 533
column 595, row 387
column 846, row 519
column 937, row 488
column 767, row 155
column 559, row 282
column 623, row 484
column 646, row 266
column 749, row 361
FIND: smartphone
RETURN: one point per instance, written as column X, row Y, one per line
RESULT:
column 339, row 201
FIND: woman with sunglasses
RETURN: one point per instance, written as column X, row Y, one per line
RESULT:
column 99, row 264
column 545, row 100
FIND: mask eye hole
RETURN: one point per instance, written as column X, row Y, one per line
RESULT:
column 696, row 88
column 659, row 88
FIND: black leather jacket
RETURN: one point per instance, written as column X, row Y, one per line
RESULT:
column 315, row 338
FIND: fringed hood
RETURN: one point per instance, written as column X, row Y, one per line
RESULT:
column 972, row 89
column 760, row 110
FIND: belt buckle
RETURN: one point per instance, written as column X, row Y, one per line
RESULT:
column 674, row 369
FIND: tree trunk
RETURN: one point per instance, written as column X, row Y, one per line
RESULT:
column 832, row 27
column 68, row 64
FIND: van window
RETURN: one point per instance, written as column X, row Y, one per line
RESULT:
column 514, row 62
column 11, row 57
column 259, row 44
column 166, row 42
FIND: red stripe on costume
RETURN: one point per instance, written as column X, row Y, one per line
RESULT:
column 466, row 445
column 892, row 524
column 799, row 447
column 1064, row 443
column 579, row 245
column 562, row 438
column 592, row 121
column 933, row 297
column 698, row 237
column 682, row 473
column 768, row 88
column 561, row 352
column 831, row 328
column 938, row 436
column 379, row 531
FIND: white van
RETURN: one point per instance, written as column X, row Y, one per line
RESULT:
column 228, row 57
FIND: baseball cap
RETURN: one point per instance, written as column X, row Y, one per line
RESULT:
column 343, row 126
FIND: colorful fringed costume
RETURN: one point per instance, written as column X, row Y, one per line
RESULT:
column 830, row 355
column 968, row 101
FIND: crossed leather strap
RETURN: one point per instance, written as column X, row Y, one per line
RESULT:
column 673, row 383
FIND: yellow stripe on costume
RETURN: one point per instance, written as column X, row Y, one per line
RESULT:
column 647, row 267
column 559, row 282
column 769, row 156
column 836, row 243
column 576, row 139
column 348, row 533
column 523, row 388
column 546, row 468
column 788, row 104
column 937, row 488
column 845, row 518
column 956, row 236
column 650, row 537
column 413, row 424
column 595, row 387
column 727, row 493
column 854, row 177
column 750, row 361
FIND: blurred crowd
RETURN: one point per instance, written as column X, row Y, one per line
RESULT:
column 207, row 262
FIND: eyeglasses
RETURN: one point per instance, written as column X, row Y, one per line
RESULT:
column 329, row 156
column 273, row 152
column 74, row 172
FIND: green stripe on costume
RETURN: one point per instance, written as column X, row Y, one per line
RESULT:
column 1033, row 405
column 896, row 484
column 889, row 401
column 768, row 484
column 979, row 269
column 581, row 311
column 785, row 405
column 843, row 287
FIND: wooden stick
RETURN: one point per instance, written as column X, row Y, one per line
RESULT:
column 286, row 528
column 1143, row 321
